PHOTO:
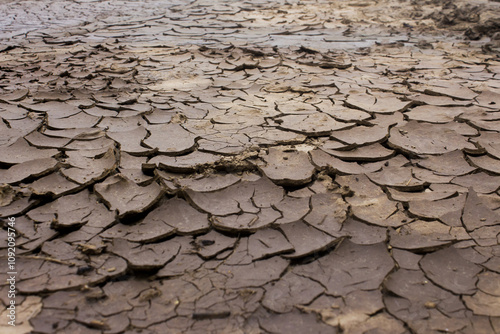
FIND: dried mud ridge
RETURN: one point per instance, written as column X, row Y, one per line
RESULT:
column 249, row 189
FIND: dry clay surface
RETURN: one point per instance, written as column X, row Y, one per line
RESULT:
column 251, row 167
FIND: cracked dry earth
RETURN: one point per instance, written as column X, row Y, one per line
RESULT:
column 251, row 167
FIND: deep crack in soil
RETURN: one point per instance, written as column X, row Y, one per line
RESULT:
column 251, row 167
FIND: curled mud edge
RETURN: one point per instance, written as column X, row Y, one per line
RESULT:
column 288, row 167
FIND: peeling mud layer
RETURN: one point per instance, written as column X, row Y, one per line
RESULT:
column 251, row 167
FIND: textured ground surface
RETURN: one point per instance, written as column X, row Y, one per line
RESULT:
column 251, row 167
